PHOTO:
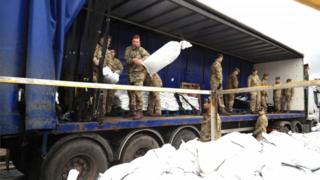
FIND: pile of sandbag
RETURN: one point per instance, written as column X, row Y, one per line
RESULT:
column 189, row 101
column 235, row 156
column 168, row 101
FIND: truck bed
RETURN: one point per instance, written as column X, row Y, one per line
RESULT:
column 117, row 123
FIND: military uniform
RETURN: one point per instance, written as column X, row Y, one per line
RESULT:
column 287, row 95
column 216, row 82
column 137, row 75
column 95, row 77
column 154, row 104
column 109, row 95
column 277, row 99
column 264, row 95
column 233, row 83
column 255, row 97
column 96, row 58
column 261, row 126
column 205, row 132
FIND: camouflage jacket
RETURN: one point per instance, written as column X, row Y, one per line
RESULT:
column 254, row 80
column 216, row 73
column 114, row 64
column 264, row 83
column 131, row 53
column 233, row 82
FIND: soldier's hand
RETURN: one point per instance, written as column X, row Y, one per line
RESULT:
column 219, row 86
column 137, row 61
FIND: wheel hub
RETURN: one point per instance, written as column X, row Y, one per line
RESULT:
column 80, row 163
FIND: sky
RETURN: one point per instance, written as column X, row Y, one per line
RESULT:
column 287, row 21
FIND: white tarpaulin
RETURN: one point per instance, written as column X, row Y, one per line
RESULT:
column 235, row 156
column 164, row 56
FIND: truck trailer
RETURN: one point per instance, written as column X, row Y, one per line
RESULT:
column 52, row 129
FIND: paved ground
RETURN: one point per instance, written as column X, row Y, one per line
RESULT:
column 12, row 173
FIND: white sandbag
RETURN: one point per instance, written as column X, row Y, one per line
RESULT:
column 109, row 76
column 73, row 174
column 106, row 71
column 164, row 56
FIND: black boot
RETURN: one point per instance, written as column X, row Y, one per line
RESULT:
column 139, row 115
column 224, row 112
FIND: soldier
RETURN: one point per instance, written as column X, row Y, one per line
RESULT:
column 135, row 55
column 277, row 97
column 287, row 95
column 95, row 76
column 261, row 125
column 254, row 80
column 216, row 82
column 97, row 56
column 233, row 83
column 205, row 132
column 264, row 94
column 154, row 104
column 116, row 67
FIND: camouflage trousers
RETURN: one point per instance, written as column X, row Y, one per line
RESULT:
column 264, row 104
column 205, row 132
column 108, row 100
column 286, row 104
column 136, row 97
column 260, row 127
column 94, row 76
column 154, row 104
column 230, row 101
column 258, row 132
column 277, row 103
column 255, row 101
column 220, row 100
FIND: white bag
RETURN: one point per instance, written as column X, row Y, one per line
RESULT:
column 164, row 56
column 109, row 76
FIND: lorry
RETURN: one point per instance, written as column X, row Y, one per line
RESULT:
column 52, row 129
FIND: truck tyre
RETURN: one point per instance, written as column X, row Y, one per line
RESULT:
column 82, row 154
column 183, row 135
column 296, row 126
column 284, row 129
column 137, row 146
column 282, row 126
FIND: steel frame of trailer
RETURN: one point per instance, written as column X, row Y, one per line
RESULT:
column 111, row 123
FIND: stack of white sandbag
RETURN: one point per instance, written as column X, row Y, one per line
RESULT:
column 194, row 101
column 168, row 101
column 234, row 156
column 124, row 99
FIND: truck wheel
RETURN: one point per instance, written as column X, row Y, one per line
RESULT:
column 284, row 129
column 82, row 154
column 296, row 126
column 137, row 146
column 282, row 126
column 183, row 135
